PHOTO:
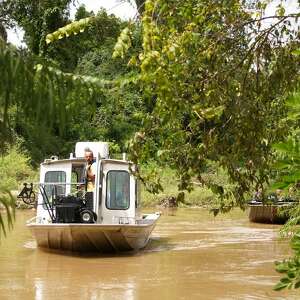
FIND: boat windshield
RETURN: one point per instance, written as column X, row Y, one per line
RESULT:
column 55, row 177
column 117, row 190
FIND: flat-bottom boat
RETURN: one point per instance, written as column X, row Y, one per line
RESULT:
column 102, row 238
column 105, row 220
column 267, row 213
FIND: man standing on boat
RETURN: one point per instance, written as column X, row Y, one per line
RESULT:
column 90, row 170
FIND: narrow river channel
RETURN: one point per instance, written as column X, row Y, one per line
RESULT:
column 192, row 255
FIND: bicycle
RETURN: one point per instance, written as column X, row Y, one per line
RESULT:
column 27, row 194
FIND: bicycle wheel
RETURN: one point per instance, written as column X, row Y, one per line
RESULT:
column 29, row 198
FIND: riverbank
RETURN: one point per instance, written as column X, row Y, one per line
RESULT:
column 200, row 196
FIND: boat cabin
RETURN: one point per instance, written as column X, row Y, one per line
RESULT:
column 63, row 197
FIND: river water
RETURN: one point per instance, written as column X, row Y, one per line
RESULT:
column 191, row 255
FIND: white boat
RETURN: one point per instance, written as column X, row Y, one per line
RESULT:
column 105, row 220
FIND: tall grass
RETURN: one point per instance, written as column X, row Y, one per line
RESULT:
column 14, row 169
column 199, row 196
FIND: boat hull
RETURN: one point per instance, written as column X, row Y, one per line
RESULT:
column 266, row 214
column 92, row 237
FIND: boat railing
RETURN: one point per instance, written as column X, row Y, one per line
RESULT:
column 38, row 184
column 57, row 183
column 49, row 205
column 28, row 194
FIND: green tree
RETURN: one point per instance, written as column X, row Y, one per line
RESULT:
column 217, row 77
column 288, row 178
column 90, row 54
column 34, row 17
column 120, row 109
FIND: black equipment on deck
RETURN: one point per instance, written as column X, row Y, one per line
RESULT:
column 69, row 209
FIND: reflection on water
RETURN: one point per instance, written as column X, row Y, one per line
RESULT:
column 192, row 255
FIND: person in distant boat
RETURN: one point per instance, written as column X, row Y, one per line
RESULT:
column 90, row 170
column 279, row 195
column 258, row 195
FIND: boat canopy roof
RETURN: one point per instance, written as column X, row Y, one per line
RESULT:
column 82, row 160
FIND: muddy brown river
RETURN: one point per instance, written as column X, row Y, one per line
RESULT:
column 191, row 255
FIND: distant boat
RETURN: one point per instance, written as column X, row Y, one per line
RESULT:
column 267, row 213
column 105, row 220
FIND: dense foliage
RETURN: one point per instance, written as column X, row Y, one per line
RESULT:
column 290, row 267
column 82, row 105
column 217, row 77
column 288, row 178
column 37, row 111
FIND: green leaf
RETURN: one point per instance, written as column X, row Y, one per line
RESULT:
column 280, row 286
column 296, row 52
column 282, row 268
column 73, row 28
column 285, row 280
column 291, row 274
column 297, row 284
